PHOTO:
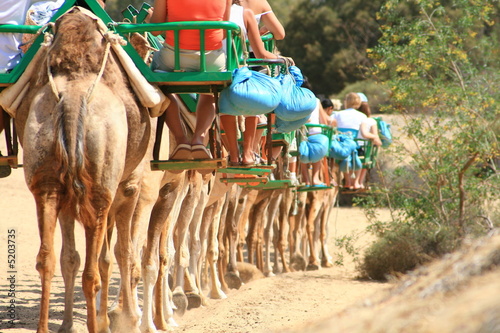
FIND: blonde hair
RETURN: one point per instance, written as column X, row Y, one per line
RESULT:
column 352, row 100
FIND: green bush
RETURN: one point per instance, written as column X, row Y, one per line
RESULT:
column 403, row 247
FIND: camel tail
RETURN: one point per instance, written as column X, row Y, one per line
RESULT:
column 71, row 158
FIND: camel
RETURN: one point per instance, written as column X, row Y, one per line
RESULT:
column 84, row 137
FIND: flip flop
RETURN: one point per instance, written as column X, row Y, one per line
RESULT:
column 181, row 152
column 200, row 152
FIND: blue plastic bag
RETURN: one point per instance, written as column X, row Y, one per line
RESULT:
column 385, row 133
column 296, row 102
column 297, row 75
column 283, row 126
column 342, row 146
column 314, row 148
column 250, row 94
column 351, row 163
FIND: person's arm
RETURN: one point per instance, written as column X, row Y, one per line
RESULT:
column 159, row 14
column 272, row 24
column 254, row 36
column 367, row 134
column 227, row 11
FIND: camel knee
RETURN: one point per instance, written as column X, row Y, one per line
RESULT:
column 130, row 190
column 45, row 260
column 91, row 284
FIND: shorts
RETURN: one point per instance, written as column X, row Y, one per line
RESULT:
column 164, row 60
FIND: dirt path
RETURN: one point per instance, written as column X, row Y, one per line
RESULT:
column 283, row 301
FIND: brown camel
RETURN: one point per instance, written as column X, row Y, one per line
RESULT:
column 84, row 137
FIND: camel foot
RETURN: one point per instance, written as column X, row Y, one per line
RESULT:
column 233, row 281
column 312, row 267
column 269, row 274
column 326, row 263
column 181, row 302
column 69, row 329
column 194, row 301
column 216, row 294
column 297, row 263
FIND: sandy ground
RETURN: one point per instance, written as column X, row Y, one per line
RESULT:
column 286, row 300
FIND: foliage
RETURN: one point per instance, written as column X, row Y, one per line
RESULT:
column 328, row 40
column 441, row 67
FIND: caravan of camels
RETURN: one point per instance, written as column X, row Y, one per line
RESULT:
column 89, row 112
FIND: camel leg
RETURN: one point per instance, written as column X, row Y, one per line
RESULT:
column 182, row 250
column 216, row 291
column 155, row 256
column 314, row 209
column 222, row 248
column 126, row 201
column 46, row 203
column 70, row 262
column 195, row 297
column 283, row 227
column 105, row 270
column 272, row 211
column 94, row 238
column 236, row 204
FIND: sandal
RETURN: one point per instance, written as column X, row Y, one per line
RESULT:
column 181, row 152
column 200, row 152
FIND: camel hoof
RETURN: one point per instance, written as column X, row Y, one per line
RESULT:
column 297, row 263
column 233, row 281
column 70, row 329
column 269, row 274
column 326, row 264
column 194, row 301
column 181, row 302
column 312, row 267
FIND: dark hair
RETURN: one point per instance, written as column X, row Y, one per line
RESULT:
column 326, row 103
column 365, row 108
column 237, row 2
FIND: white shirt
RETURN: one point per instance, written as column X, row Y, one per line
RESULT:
column 349, row 119
column 236, row 16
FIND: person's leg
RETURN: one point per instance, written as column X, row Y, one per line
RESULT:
column 173, row 121
column 205, row 114
column 316, row 173
column 229, row 125
column 360, row 179
column 304, row 167
column 249, row 140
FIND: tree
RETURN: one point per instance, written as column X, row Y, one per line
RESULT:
column 442, row 67
column 328, row 41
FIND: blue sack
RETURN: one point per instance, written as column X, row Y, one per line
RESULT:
column 342, row 146
column 296, row 102
column 250, row 94
column 314, row 148
column 283, row 126
column 297, row 75
column 385, row 133
column 351, row 163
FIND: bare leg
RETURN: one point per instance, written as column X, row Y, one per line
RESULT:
column 249, row 139
column 316, row 168
column 174, row 123
column 230, row 127
column 205, row 114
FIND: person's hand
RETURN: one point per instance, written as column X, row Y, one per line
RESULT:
column 150, row 14
column 377, row 142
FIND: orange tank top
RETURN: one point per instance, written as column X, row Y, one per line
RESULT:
column 196, row 10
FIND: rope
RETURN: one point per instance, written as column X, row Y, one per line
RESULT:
column 101, row 71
